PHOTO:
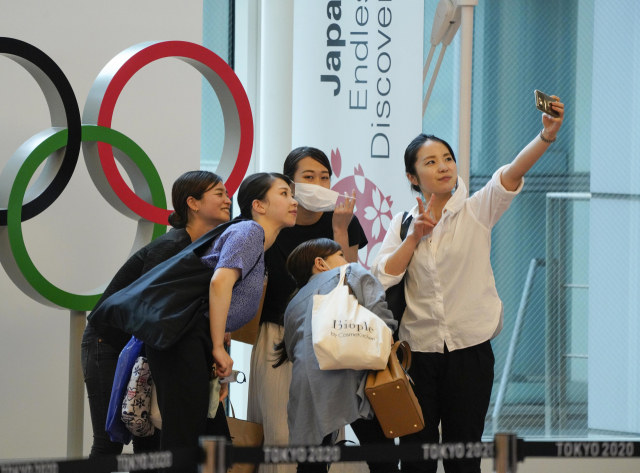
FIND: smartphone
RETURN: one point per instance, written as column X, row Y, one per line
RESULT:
column 543, row 103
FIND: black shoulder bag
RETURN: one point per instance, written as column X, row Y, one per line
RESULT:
column 165, row 303
column 396, row 301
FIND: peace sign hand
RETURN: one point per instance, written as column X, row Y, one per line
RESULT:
column 424, row 223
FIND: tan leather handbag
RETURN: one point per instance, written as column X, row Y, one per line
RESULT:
column 244, row 434
column 249, row 333
column 391, row 397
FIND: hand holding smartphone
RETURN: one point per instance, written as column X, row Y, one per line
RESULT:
column 543, row 103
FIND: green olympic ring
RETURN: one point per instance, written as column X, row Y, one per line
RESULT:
column 56, row 141
column 144, row 200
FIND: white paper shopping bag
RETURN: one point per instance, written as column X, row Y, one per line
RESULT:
column 347, row 335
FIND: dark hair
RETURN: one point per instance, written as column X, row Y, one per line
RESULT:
column 300, row 266
column 255, row 187
column 411, row 154
column 301, row 260
column 190, row 184
column 295, row 156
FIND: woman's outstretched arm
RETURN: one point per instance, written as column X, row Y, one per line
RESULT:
column 513, row 174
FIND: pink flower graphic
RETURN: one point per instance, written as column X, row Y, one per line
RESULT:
column 378, row 212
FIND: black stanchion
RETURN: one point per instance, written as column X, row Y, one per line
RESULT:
column 215, row 455
column 506, row 456
column 507, row 451
column 185, row 458
column 581, row 449
column 372, row 453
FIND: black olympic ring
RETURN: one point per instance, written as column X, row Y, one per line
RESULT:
column 64, row 111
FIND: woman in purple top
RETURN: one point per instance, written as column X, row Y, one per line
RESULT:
column 240, row 248
column 182, row 372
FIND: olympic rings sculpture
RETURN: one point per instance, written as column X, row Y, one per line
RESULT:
column 101, row 147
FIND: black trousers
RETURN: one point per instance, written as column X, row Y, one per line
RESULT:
column 99, row 362
column 368, row 432
column 454, row 389
column 181, row 374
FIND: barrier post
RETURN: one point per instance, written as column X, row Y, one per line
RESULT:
column 506, row 455
column 75, row 403
column 214, row 455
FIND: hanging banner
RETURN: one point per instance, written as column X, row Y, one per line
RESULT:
column 357, row 95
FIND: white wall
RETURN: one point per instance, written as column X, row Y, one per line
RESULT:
column 80, row 241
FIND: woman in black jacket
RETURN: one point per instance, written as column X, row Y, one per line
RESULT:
column 201, row 203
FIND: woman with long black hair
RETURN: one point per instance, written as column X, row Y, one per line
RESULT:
column 453, row 308
column 182, row 371
column 319, row 216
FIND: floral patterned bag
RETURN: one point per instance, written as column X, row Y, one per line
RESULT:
column 136, row 405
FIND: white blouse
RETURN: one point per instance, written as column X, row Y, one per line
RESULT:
column 450, row 290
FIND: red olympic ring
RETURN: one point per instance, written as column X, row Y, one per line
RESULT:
column 233, row 99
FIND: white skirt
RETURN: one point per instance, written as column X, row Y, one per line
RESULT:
column 269, row 392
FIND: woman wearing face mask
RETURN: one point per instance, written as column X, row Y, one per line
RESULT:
column 318, row 217
column 201, row 203
column 321, row 402
column 181, row 373
column 453, row 309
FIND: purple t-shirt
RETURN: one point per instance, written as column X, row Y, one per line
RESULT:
column 241, row 247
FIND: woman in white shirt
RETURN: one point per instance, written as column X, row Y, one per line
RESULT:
column 453, row 309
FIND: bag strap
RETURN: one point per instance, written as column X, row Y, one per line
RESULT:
column 406, row 353
column 204, row 242
column 255, row 264
column 404, row 226
column 343, row 273
column 233, row 412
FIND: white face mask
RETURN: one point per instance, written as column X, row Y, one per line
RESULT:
column 316, row 198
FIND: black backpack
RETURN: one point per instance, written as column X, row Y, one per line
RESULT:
column 165, row 303
column 396, row 301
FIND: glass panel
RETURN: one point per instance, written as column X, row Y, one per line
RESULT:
column 575, row 369
column 217, row 35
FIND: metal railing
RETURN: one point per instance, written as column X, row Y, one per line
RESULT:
column 513, row 344
column 557, row 318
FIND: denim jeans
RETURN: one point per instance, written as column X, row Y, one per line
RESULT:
column 99, row 361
